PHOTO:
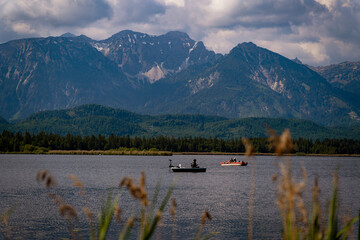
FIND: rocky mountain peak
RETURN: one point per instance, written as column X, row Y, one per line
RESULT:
column 146, row 58
column 178, row 35
column 68, row 35
column 296, row 60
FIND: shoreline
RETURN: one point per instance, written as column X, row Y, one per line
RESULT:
column 165, row 153
column 268, row 154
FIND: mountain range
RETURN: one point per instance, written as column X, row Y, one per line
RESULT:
column 170, row 74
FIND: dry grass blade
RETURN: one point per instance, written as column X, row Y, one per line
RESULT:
column 77, row 183
column 291, row 202
column 5, row 220
column 251, row 201
column 173, row 215
column 68, row 212
column 249, row 149
column 173, row 208
column 282, row 144
column 205, row 216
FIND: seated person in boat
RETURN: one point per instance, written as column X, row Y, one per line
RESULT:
column 194, row 164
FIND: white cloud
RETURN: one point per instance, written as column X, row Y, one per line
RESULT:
column 22, row 28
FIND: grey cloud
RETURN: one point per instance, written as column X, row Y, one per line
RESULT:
column 137, row 11
column 55, row 13
column 344, row 22
column 272, row 14
column 331, row 32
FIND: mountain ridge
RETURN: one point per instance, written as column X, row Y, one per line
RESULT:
column 170, row 73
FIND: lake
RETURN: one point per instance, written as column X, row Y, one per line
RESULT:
column 223, row 191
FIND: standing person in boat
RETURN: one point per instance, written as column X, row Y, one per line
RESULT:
column 194, row 164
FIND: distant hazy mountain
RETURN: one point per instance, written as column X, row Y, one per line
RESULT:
column 89, row 120
column 345, row 76
column 170, row 73
column 253, row 82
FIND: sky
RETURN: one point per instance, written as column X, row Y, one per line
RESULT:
column 318, row 32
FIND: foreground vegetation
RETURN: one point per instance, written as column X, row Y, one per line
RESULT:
column 55, row 143
column 298, row 220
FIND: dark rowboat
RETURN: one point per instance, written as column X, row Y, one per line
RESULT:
column 194, row 168
column 184, row 169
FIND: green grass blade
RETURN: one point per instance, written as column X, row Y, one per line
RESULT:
column 125, row 232
column 7, row 213
column 314, row 225
column 332, row 225
column 106, row 214
column 151, row 228
column 155, row 197
column 358, row 236
column 345, row 231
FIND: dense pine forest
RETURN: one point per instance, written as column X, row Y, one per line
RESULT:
column 44, row 142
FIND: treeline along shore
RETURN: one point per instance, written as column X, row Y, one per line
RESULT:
column 160, row 145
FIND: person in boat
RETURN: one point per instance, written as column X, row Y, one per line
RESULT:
column 194, row 164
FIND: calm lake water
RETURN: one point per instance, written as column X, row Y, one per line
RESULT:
column 223, row 191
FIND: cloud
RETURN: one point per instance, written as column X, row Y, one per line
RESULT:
column 24, row 17
column 136, row 11
column 55, row 12
column 317, row 31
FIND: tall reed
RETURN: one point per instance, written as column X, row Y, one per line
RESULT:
column 5, row 219
column 297, row 221
column 148, row 220
column 250, row 151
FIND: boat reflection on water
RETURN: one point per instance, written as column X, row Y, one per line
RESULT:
column 194, row 167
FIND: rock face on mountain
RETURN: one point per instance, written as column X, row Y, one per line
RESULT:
column 170, row 73
column 52, row 73
column 251, row 82
column 148, row 58
column 344, row 75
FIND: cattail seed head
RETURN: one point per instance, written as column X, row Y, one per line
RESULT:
column 50, row 182
column 67, row 211
column 123, row 182
column 41, row 175
column 205, row 215
column 45, row 176
column 88, row 213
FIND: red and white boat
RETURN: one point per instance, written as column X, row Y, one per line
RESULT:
column 233, row 162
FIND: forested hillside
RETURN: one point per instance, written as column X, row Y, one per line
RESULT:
column 90, row 120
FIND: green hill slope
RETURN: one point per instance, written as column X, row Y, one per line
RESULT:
column 95, row 119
